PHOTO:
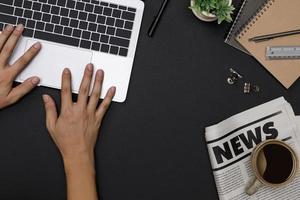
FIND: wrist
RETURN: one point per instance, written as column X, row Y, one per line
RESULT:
column 81, row 162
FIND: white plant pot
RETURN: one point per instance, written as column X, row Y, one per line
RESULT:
column 205, row 16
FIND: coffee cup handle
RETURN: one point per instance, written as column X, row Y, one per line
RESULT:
column 253, row 187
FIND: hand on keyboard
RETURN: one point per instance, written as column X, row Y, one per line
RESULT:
column 8, row 41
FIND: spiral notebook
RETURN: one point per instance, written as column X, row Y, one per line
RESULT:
column 273, row 17
column 247, row 10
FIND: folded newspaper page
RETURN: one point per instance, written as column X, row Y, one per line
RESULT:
column 231, row 142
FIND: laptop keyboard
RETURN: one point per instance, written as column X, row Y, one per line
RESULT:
column 88, row 24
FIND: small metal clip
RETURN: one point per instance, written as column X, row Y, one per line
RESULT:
column 251, row 88
column 233, row 77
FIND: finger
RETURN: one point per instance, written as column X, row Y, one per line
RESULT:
column 94, row 99
column 10, row 44
column 106, row 102
column 22, row 62
column 5, row 35
column 51, row 113
column 85, row 85
column 21, row 90
column 66, row 90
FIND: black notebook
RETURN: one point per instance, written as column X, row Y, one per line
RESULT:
column 246, row 13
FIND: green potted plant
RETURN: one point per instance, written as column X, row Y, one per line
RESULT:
column 211, row 10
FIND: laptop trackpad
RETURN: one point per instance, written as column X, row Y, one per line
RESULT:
column 52, row 59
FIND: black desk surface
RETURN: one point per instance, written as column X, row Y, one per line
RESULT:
column 152, row 146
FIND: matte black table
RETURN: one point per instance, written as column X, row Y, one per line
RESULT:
column 152, row 147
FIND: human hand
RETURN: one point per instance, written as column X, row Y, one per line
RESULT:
column 76, row 129
column 8, row 73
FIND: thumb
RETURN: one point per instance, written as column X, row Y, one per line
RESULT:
column 51, row 113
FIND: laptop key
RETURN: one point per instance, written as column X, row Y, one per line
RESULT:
column 83, row 25
column 6, row 9
column 92, row 27
column 55, row 10
column 27, row 4
column 17, row 3
column 89, row 8
column 40, row 25
column 101, row 29
column 28, row 14
column 123, row 52
column 131, row 9
column 56, row 38
column 58, row 29
column 74, row 23
column 120, row 23
column 55, row 19
column 102, row 3
column 30, row 24
column 82, row 15
column 37, row 6
column 28, row 32
column 92, row 17
column 114, row 50
column 37, row 15
column 98, row 10
column 95, row 46
column 110, row 30
column 79, row 6
column 104, row 48
column 110, row 21
column 107, row 11
column 101, row 19
column 53, row 2
column 123, row 33
column 7, row 2
column 71, row 4
column 49, row 27
column 19, row 12
column 95, row 37
column 104, row 38
column 119, row 42
column 46, row 17
column 86, row 35
column 77, row 33
column 128, row 15
column 8, row 19
column 128, row 25
column 73, row 14
column 67, row 31
column 64, row 21
column 62, row 3
column 116, row 13
column 85, row 44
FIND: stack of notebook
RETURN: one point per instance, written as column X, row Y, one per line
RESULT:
column 262, row 17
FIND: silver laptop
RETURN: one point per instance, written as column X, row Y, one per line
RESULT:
column 74, row 33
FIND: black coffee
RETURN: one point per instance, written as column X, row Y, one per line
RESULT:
column 279, row 162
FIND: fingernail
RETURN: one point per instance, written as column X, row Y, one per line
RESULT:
column 9, row 27
column 99, row 72
column 20, row 27
column 66, row 71
column 45, row 98
column 90, row 67
column 35, row 80
column 113, row 89
column 37, row 45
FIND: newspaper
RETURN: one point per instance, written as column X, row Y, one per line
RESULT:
column 231, row 142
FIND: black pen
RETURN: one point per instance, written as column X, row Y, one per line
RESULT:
column 274, row 35
column 157, row 18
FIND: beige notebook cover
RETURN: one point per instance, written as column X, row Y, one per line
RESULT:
column 276, row 16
